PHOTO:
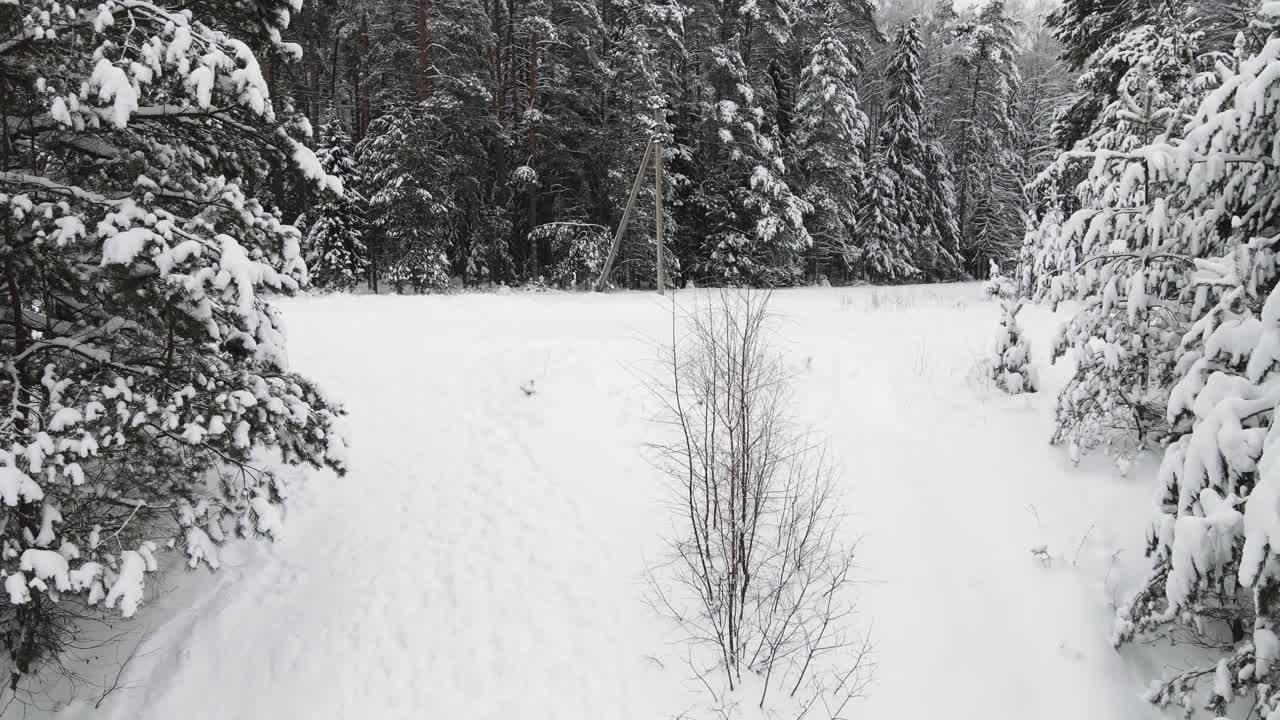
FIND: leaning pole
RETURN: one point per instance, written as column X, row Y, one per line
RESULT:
column 654, row 141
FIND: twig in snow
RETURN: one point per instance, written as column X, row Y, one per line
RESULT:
column 1041, row 554
column 115, row 684
column 1075, row 561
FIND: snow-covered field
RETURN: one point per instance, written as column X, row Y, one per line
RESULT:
column 484, row 558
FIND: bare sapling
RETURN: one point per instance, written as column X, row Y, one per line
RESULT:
column 759, row 577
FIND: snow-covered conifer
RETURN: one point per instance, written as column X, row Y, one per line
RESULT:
column 757, row 220
column 998, row 285
column 982, row 137
column 1011, row 367
column 906, row 213
column 881, row 253
column 830, row 140
column 410, row 226
column 334, row 246
column 1213, row 541
column 1121, row 253
column 146, row 389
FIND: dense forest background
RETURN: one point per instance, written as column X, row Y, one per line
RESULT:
column 804, row 139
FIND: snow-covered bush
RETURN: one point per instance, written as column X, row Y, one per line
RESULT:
column 758, row 577
column 145, row 377
column 1011, row 367
column 998, row 285
column 578, row 251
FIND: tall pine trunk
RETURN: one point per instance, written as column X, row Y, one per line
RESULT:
column 362, row 78
column 424, row 50
column 531, row 142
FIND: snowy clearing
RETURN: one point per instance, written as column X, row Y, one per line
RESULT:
column 484, row 557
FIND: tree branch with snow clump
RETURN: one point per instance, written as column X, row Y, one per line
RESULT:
column 147, row 396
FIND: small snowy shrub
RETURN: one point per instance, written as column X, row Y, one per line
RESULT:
column 758, row 577
column 998, row 285
column 1011, row 367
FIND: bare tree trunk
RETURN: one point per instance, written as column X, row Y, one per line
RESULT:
column 424, row 50
column 531, row 144
column 333, row 69
column 29, row 618
column 362, row 78
column 498, row 149
column 966, row 177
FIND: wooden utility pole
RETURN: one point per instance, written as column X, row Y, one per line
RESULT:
column 657, row 196
column 626, row 218
column 654, row 149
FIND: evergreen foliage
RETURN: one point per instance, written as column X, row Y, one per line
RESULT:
column 148, row 402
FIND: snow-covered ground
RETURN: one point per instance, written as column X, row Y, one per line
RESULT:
column 484, row 558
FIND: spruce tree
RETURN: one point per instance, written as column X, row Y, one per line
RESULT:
column 410, row 227
column 830, row 140
column 880, row 254
column 908, row 207
column 981, row 138
column 1011, row 367
column 334, row 247
column 1090, row 32
column 1118, row 266
column 757, row 230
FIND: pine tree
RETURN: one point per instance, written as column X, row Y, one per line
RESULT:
column 334, row 247
column 461, row 141
column 146, row 374
column 597, row 90
column 426, row 164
